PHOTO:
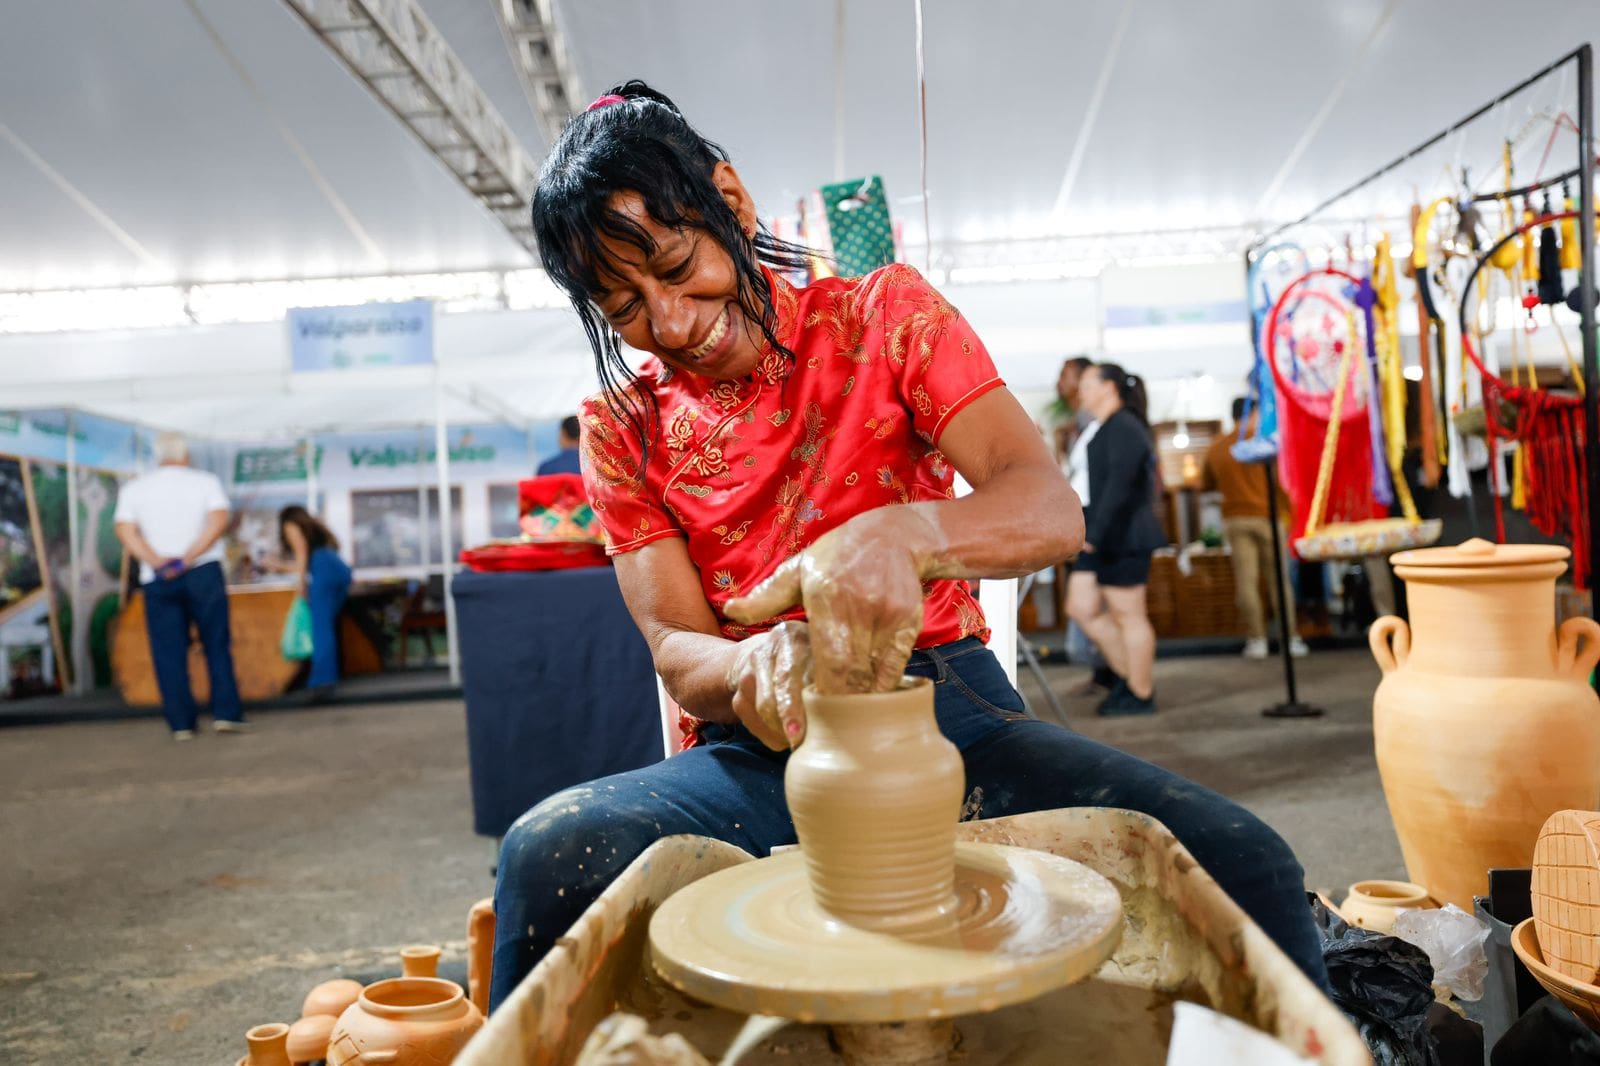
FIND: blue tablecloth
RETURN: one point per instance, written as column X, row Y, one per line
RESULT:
column 558, row 684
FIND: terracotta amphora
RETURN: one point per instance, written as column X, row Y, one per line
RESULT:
column 267, row 1046
column 480, row 952
column 1484, row 722
column 875, row 790
column 404, row 1021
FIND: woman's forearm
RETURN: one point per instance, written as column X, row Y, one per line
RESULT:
column 1019, row 521
column 694, row 669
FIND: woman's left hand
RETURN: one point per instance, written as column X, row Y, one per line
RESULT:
column 861, row 587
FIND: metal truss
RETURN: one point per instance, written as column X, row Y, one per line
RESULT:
column 541, row 55
column 392, row 47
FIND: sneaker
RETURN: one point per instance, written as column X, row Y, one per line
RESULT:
column 223, row 725
column 1298, row 649
column 183, row 734
column 1256, row 648
column 1104, row 679
column 1123, row 702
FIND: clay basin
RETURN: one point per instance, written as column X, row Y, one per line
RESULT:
column 1183, row 938
column 1581, row 998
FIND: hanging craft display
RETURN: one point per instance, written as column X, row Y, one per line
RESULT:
column 1333, row 460
column 849, row 221
column 1548, row 426
column 1258, row 426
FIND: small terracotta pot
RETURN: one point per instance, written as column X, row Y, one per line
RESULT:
column 420, row 960
column 331, row 997
column 1375, row 905
column 267, row 1046
column 404, row 1021
column 480, row 952
column 308, row 1038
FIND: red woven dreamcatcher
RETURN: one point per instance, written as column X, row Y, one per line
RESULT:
column 1549, row 428
column 1334, row 337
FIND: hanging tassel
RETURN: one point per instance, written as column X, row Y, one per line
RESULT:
column 1550, row 290
column 1530, row 248
column 1569, row 236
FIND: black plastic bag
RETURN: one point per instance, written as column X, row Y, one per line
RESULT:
column 1384, row 986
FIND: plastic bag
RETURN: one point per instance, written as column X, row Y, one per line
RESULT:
column 1453, row 940
column 296, row 641
column 1384, row 985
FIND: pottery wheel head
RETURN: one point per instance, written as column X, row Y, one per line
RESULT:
column 750, row 938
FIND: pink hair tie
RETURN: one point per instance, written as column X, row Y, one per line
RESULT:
column 605, row 101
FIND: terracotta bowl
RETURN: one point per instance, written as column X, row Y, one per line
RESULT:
column 1583, row 999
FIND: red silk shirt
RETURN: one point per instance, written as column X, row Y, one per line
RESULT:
column 751, row 471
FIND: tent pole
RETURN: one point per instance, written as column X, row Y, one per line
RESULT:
column 74, row 567
column 441, row 445
column 1587, row 276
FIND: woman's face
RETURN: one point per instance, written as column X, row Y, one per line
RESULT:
column 681, row 303
column 1091, row 389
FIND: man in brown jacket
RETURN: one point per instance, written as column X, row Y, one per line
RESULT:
column 1248, row 531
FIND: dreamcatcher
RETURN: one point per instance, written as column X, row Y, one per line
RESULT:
column 1547, row 425
column 1323, row 353
column 1259, row 443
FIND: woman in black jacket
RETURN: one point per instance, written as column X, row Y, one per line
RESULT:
column 1106, row 592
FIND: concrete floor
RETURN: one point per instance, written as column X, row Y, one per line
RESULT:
column 157, row 899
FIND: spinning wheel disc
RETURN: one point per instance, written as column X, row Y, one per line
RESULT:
column 751, row 938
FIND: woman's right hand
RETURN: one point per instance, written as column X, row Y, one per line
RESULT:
column 768, row 673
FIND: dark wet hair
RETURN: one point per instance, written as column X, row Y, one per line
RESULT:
column 1082, row 362
column 642, row 144
column 1130, row 389
column 1239, row 405
column 317, row 535
column 570, row 427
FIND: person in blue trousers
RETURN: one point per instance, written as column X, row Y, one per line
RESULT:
column 172, row 521
column 324, row 583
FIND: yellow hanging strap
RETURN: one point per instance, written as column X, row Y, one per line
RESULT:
column 1330, row 439
column 1569, row 238
column 1419, row 266
column 1391, row 371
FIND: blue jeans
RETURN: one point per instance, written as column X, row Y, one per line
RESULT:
column 197, row 597
column 325, row 593
column 732, row 789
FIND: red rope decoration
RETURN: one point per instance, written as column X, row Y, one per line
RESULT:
column 1550, row 429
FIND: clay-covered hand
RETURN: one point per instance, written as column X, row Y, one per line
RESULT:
column 861, row 587
column 766, row 677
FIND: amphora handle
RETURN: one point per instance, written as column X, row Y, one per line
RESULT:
column 1390, row 639
column 1571, row 661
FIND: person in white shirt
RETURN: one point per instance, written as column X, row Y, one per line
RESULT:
column 172, row 520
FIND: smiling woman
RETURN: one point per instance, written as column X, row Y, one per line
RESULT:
column 776, row 484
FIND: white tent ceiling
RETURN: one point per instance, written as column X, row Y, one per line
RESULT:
column 196, row 140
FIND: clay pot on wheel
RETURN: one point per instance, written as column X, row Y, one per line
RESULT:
column 1484, row 722
column 880, row 752
column 404, row 1021
column 1375, row 905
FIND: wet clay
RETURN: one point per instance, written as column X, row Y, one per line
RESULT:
column 875, row 792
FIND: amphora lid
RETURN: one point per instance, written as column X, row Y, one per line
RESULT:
column 1476, row 554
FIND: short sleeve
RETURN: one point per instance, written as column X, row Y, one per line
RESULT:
column 608, row 454
column 941, row 364
column 127, row 504
column 216, row 498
